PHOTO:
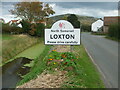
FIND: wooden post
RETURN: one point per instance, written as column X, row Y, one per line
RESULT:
column 71, row 48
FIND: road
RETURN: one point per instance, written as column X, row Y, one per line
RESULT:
column 104, row 53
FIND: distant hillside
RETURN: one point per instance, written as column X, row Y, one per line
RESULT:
column 83, row 19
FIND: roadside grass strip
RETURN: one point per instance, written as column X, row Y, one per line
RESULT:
column 85, row 74
column 112, row 38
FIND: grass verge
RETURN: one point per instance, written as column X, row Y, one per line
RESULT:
column 112, row 38
column 85, row 74
column 38, row 67
column 106, row 36
column 99, row 34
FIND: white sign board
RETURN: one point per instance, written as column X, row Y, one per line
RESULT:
column 62, row 33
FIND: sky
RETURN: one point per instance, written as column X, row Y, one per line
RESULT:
column 94, row 9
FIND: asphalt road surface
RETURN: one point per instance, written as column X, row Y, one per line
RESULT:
column 104, row 53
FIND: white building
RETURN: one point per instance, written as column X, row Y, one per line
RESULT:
column 2, row 20
column 17, row 22
column 96, row 26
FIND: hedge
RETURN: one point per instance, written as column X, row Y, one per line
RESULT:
column 114, row 31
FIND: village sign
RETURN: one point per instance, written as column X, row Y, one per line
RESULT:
column 62, row 33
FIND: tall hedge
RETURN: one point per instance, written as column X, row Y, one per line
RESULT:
column 86, row 28
column 6, row 28
column 114, row 31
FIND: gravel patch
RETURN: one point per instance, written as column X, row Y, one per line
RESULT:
column 46, row 80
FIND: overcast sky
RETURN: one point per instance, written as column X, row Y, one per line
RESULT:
column 95, row 9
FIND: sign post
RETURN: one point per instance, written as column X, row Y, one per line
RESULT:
column 62, row 33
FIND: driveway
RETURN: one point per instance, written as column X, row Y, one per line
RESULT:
column 104, row 53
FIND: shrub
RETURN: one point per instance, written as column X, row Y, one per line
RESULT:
column 40, row 29
column 114, row 31
column 48, row 26
column 26, row 26
column 6, row 28
column 76, row 24
column 16, row 30
column 32, row 29
column 86, row 28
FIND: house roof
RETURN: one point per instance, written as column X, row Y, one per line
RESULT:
column 110, row 20
column 13, row 21
column 98, row 21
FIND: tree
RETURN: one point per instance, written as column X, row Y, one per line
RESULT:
column 26, row 26
column 40, row 29
column 74, row 20
column 32, row 11
column 86, row 28
column 72, row 17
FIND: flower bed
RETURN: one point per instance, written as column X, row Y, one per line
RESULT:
column 61, row 60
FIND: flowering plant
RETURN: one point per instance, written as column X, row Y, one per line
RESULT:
column 57, row 59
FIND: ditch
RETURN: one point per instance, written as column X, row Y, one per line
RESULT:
column 12, row 72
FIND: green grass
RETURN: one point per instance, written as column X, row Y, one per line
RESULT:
column 106, row 36
column 0, row 36
column 32, row 52
column 112, row 38
column 6, row 37
column 85, row 75
column 16, row 45
column 99, row 33
column 38, row 67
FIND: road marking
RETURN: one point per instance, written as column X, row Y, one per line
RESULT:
column 108, row 83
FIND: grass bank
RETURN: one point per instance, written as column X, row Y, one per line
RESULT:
column 15, row 44
column 31, row 53
column 85, row 74
column 38, row 67
column 112, row 38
